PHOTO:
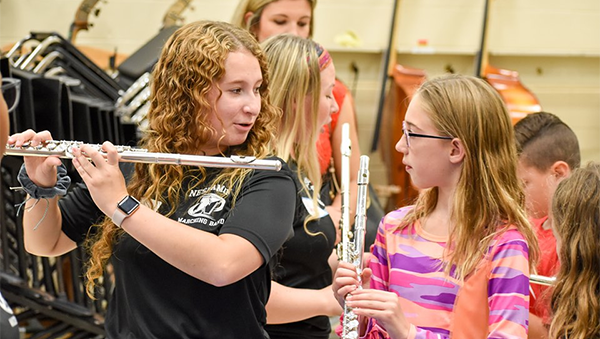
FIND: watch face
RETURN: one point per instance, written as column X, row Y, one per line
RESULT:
column 128, row 205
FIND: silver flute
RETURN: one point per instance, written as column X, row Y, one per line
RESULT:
column 63, row 149
column 353, row 250
column 352, row 246
column 542, row 280
column 346, row 152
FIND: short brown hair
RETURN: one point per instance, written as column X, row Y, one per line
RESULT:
column 543, row 139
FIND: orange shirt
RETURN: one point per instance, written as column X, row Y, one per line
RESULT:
column 324, row 142
column 547, row 266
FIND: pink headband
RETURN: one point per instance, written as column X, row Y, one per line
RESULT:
column 324, row 57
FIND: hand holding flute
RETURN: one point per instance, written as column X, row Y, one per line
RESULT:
column 103, row 177
column 42, row 171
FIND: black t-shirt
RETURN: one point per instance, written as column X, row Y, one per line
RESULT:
column 153, row 299
column 303, row 263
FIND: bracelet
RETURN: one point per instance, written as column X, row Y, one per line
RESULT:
column 62, row 184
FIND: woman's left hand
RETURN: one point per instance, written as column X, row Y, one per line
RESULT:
column 102, row 177
column 382, row 306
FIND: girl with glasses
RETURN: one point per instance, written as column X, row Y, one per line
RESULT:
column 456, row 264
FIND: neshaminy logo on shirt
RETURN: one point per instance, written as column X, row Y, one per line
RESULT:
column 208, row 204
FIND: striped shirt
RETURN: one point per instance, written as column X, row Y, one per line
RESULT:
column 408, row 263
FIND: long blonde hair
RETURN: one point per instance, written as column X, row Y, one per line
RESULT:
column 576, row 221
column 256, row 7
column 488, row 197
column 191, row 63
column 295, row 72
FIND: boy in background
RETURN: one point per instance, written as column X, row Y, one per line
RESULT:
column 548, row 152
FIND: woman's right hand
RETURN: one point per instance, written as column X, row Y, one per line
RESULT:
column 41, row 170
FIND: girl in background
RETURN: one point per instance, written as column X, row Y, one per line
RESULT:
column 302, row 81
column 265, row 18
column 576, row 224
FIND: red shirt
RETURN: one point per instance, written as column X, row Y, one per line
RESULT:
column 324, row 142
column 547, row 266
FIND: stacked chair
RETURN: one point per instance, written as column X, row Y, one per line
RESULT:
column 64, row 92
column 47, row 294
column 132, row 106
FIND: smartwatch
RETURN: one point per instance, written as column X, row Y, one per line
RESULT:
column 126, row 207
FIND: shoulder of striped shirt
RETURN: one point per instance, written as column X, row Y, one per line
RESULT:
column 511, row 237
column 393, row 218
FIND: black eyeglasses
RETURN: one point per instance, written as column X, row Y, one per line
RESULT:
column 408, row 135
column 11, row 91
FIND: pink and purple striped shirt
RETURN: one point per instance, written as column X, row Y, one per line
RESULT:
column 408, row 263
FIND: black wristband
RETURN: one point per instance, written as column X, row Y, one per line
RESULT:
column 62, row 184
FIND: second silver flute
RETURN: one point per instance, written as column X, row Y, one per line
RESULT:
column 63, row 149
column 354, row 250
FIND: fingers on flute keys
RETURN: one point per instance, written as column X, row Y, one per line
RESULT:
column 29, row 137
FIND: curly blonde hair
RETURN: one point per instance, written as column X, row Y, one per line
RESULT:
column 489, row 196
column 576, row 222
column 191, row 63
column 257, row 7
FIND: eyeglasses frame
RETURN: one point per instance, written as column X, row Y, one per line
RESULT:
column 418, row 135
column 7, row 84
